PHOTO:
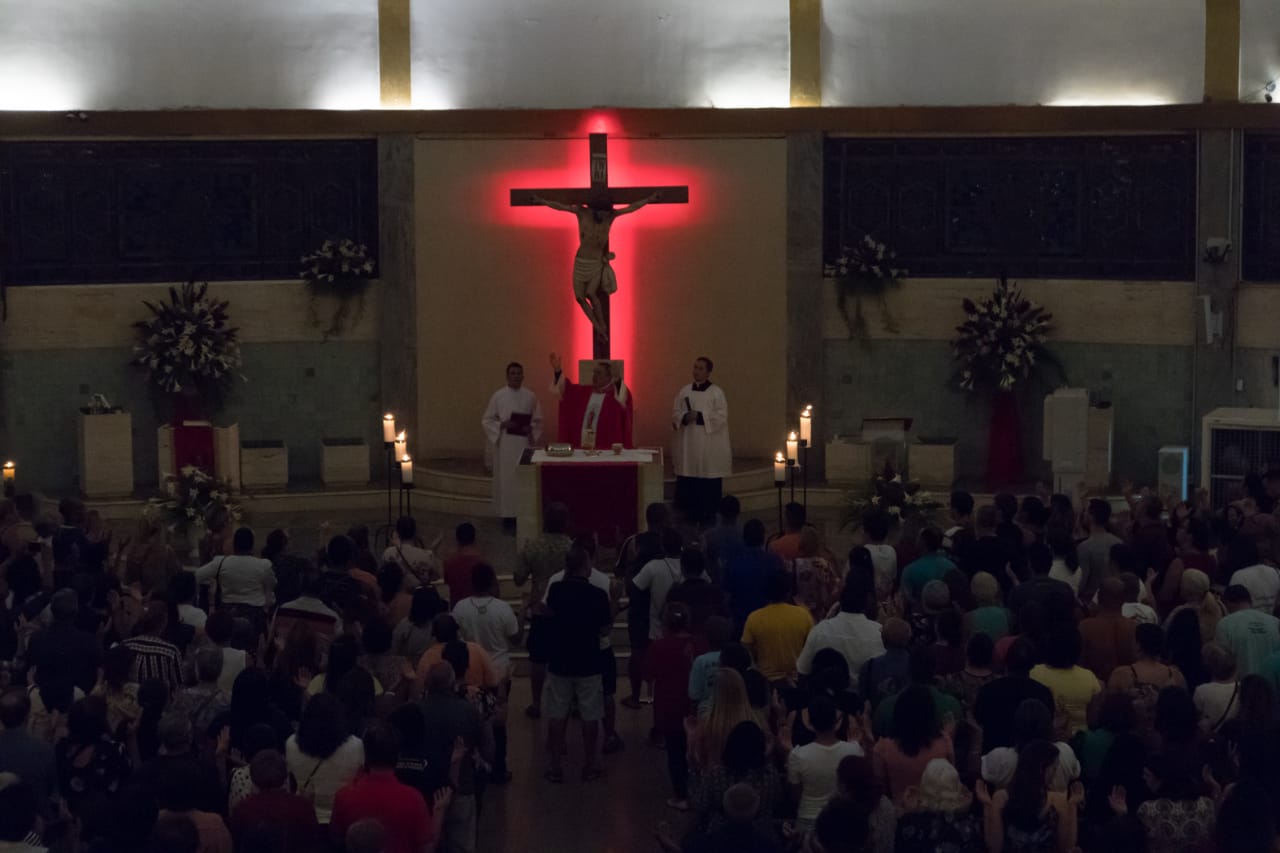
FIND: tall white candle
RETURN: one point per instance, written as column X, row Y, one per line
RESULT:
column 10, row 471
column 793, row 443
column 779, row 468
column 806, row 427
column 402, row 444
column 406, row 471
column 388, row 428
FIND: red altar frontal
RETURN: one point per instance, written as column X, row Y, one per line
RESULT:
column 606, row 492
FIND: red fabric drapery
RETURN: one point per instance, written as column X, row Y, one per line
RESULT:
column 602, row 497
column 1004, row 448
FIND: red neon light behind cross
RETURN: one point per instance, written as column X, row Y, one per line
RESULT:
column 598, row 195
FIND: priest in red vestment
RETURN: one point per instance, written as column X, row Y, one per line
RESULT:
column 598, row 415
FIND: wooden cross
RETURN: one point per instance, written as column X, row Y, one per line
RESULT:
column 600, row 192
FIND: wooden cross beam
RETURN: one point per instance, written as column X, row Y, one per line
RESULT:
column 600, row 196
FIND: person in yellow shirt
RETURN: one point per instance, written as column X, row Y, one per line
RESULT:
column 1073, row 687
column 775, row 633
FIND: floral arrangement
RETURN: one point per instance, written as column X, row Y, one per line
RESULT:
column 342, row 269
column 186, row 345
column 191, row 499
column 1001, row 343
column 889, row 493
column 864, row 269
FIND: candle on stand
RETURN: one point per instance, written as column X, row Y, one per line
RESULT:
column 402, row 444
column 388, row 428
column 406, row 471
column 10, row 472
column 779, row 469
column 806, row 426
column 793, row 443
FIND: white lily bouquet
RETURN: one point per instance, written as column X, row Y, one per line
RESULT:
column 341, row 269
column 191, row 499
column 1001, row 343
column 187, row 345
column 867, row 268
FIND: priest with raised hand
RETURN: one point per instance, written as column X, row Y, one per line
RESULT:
column 512, row 422
column 593, row 416
column 702, row 455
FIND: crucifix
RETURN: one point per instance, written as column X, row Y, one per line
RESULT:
column 593, row 278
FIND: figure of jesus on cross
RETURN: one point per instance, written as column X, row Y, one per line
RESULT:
column 593, row 277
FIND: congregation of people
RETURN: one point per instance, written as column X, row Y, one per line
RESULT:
column 1027, row 676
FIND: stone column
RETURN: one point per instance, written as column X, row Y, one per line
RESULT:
column 804, row 282
column 398, row 302
column 1218, row 203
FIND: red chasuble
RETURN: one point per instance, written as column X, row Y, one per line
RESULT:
column 615, row 417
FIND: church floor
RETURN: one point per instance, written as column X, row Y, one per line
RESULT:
column 618, row 813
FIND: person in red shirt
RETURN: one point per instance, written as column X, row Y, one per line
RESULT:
column 668, row 664
column 292, row 818
column 411, row 825
column 457, row 569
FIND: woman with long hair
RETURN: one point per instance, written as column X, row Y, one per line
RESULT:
column 916, row 737
column 744, row 761
column 1028, row 817
column 323, row 756
column 293, row 667
column 344, row 656
column 1247, row 820
column 148, row 561
column 412, row 636
column 1147, row 676
column 729, row 706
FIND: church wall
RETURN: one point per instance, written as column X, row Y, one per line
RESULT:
column 579, row 53
column 1130, row 341
column 703, row 278
column 889, row 52
column 60, row 344
column 153, row 54
column 1259, row 46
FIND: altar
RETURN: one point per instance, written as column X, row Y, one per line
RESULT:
column 606, row 492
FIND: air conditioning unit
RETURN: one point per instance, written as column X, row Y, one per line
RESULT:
column 1172, row 471
column 1236, row 443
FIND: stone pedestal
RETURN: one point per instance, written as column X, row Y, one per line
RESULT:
column 106, row 454
column 264, row 465
column 849, row 461
column 933, row 465
column 345, row 462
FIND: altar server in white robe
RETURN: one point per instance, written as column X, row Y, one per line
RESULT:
column 511, row 423
column 702, row 454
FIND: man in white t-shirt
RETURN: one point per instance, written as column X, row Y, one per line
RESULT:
column 609, row 662
column 1261, row 579
column 813, row 767
column 489, row 622
column 659, row 576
